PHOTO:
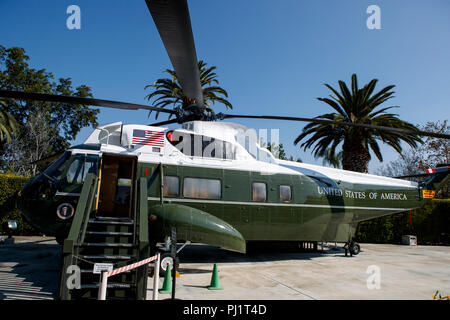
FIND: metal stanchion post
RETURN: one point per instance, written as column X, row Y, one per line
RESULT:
column 156, row 278
column 103, row 286
column 173, row 250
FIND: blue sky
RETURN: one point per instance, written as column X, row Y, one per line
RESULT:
column 272, row 57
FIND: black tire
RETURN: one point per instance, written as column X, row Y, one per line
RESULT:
column 355, row 248
column 167, row 257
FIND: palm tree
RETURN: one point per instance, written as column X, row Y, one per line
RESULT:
column 357, row 106
column 169, row 91
column 334, row 160
column 8, row 124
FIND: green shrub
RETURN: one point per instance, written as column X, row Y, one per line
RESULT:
column 9, row 186
column 431, row 225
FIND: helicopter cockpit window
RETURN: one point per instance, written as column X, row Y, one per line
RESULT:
column 90, row 165
column 202, row 188
column 81, row 165
column 73, row 174
column 194, row 145
column 57, row 168
column 259, row 192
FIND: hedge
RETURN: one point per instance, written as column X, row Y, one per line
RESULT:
column 431, row 225
column 9, row 186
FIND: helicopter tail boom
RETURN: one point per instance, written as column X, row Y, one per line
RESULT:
column 438, row 178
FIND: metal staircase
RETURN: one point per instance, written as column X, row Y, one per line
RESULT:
column 118, row 241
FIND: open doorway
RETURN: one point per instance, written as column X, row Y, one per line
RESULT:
column 116, row 186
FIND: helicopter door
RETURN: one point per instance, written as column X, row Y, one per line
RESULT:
column 116, row 192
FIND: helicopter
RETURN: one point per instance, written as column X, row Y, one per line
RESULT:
column 217, row 185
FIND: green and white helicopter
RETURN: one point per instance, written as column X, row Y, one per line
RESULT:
column 210, row 180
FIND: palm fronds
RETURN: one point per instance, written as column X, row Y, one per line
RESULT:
column 168, row 92
column 356, row 105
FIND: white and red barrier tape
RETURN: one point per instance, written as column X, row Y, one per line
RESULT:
column 131, row 266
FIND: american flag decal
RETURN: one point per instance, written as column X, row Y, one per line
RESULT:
column 148, row 138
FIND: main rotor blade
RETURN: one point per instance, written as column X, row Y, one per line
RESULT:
column 47, row 159
column 172, row 20
column 78, row 100
column 362, row 125
column 412, row 176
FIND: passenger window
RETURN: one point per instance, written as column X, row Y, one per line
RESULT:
column 171, row 186
column 285, row 193
column 259, row 192
column 201, row 146
column 202, row 188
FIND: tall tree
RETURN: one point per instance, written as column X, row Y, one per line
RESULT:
column 277, row 151
column 33, row 143
column 58, row 123
column 433, row 152
column 8, row 124
column 334, row 160
column 358, row 105
column 168, row 91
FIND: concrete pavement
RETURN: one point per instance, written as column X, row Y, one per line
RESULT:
column 29, row 269
column 378, row 272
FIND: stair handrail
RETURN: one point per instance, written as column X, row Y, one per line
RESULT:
column 143, row 211
column 75, row 237
column 80, row 219
column 89, row 209
column 141, row 216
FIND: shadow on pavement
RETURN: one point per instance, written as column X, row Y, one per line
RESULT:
column 29, row 270
column 278, row 252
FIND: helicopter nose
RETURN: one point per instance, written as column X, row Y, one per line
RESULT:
column 30, row 190
column 26, row 194
column 31, row 201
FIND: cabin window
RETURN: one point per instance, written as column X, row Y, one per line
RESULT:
column 259, row 192
column 285, row 193
column 194, row 145
column 171, row 186
column 202, row 188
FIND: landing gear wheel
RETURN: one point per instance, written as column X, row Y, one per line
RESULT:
column 166, row 258
column 355, row 248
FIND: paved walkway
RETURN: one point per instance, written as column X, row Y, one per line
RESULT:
column 29, row 269
column 378, row 272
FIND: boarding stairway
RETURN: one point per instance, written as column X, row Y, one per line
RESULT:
column 95, row 239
